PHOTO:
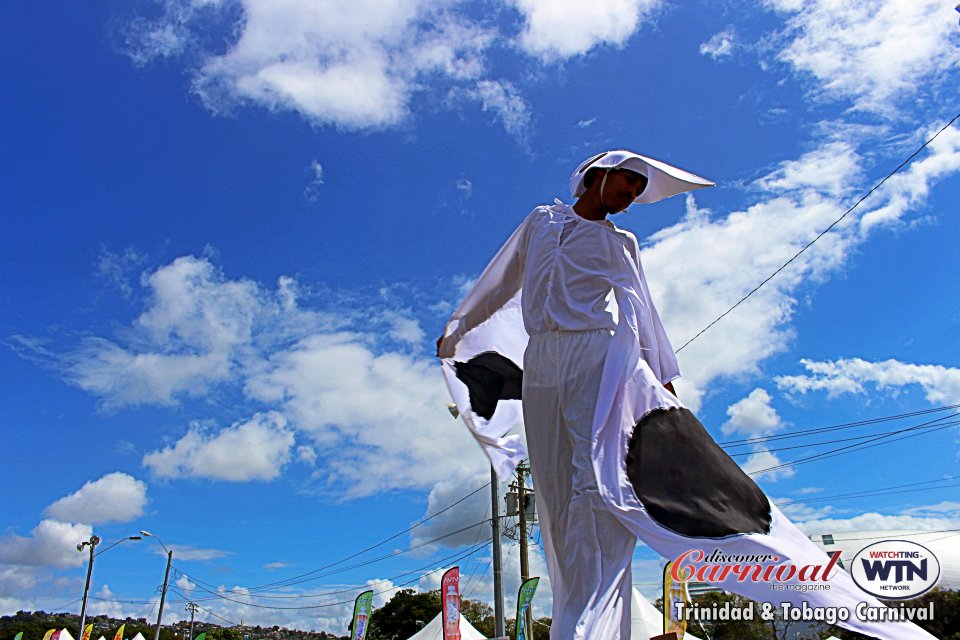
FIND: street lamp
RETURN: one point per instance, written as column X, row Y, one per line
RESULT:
column 166, row 577
column 92, row 543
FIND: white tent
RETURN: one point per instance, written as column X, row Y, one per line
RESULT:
column 64, row 635
column 646, row 621
column 434, row 631
column 139, row 636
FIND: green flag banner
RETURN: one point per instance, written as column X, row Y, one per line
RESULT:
column 19, row 636
column 524, row 599
column 361, row 615
column 202, row 636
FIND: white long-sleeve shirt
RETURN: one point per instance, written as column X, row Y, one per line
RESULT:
column 567, row 268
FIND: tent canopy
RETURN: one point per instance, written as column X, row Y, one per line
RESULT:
column 434, row 630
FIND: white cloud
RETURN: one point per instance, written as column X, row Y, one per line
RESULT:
column 699, row 267
column 503, row 100
column 51, row 543
column 312, row 190
column 720, row 45
column 382, row 413
column 908, row 189
column 465, row 187
column 353, row 64
column 556, row 29
column 875, row 52
column 752, row 416
column 852, row 375
column 833, row 169
column 403, row 328
column 762, row 466
column 116, row 497
column 476, row 508
column 186, row 553
column 184, row 343
column 254, row 450
column 881, row 522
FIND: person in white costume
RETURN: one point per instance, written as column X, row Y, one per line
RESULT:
column 614, row 453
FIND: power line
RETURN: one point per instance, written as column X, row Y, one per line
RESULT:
column 457, row 557
column 878, row 491
column 822, row 233
column 837, row 427
column 853, row 447
column 850, row 439
column 453, row 533
column 297, row 579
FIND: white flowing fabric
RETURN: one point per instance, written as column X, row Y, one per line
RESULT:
column 584, row 391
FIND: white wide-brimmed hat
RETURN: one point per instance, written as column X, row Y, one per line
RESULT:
column 663, row 180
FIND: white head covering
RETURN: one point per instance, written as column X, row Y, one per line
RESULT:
column 663, row 180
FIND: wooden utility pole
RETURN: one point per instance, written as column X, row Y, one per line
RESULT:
column 498, row 618
column 522, row 470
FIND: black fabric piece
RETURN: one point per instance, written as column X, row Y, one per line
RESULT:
column 688, row 483
column 490, row 377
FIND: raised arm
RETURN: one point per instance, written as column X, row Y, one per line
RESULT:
column 499, row 282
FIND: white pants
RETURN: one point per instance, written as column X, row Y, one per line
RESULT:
column 588, row 551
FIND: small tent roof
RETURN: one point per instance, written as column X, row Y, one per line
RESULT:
column 434, row 631
column 139, row 636
column 64, row 635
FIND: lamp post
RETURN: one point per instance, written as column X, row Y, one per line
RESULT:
column 166, row 577
column 92, row 543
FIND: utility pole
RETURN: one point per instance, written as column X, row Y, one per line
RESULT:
column 498, row 620
column 522, row 470
column 92, row 543
column 163, row 594
column 192, row 608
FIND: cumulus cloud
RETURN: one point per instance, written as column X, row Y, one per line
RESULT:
column 116, row 497
column 872, row 53
column 699, row 267
column 557, row 29
column 51, row 543
column 256, row 449
column 752, row 416
column 184, row 342
column 854, row 375
column 360, row 65
column 384, row 412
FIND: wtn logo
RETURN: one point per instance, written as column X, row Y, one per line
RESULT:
column 904, row 570
column 895, row 569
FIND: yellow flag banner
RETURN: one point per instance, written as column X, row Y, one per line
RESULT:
column 87, row 630
column 48, row 634
column 119, row 635
column 673, row 593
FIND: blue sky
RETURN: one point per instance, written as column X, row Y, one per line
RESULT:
column 233, row 230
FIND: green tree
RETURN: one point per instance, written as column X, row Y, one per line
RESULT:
column 400, row 615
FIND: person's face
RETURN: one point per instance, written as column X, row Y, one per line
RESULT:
column 622, row 188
